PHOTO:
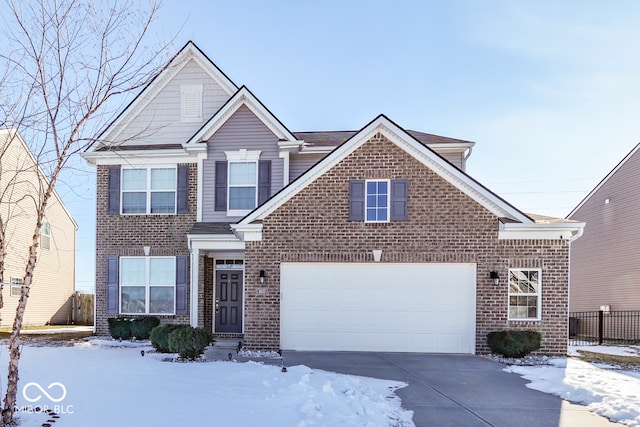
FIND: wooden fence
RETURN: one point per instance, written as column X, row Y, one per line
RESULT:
column 82, row 309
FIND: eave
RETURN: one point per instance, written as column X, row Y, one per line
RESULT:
column 548, row 231
column 116, row 157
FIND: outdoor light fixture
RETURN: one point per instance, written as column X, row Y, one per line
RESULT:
column 147, row 250
column 261, row 275
column 495, row 277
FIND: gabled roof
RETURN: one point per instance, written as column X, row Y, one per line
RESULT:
column 605, row 179
column 334, row 138
column 413, row 147
column 9, row 135
column 189, row 52
column 242, row 97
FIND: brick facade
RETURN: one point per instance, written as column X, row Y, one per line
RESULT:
column 125, row 235
column 444, row 225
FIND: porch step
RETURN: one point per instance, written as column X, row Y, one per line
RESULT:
column 227, row 335
column 228, row 341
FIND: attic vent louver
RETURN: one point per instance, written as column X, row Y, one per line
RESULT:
column 191, row 103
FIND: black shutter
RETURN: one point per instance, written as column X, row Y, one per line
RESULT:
column 221, row 186
column 183, row 189
column 113, row 203
column 182, row 280
column 356, row 200
column 399, row 200
column 264, row 181
column 112, row 285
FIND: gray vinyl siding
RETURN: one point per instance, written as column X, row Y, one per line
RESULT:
column 605, row 260
column 160, row 121
column 243, row 130
column 301, row 163
column 456, row 158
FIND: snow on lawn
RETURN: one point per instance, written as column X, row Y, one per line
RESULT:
column 116, row 386
column 614, row 394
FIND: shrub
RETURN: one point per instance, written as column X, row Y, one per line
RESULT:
column 160, row 336
column 120, row 328
column 141, row 326
column 514, row 343
column 189, row 342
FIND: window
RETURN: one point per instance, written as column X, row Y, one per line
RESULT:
column 237, row 182
column 243, row 184
column 524, row 294
column 45, row 235
column 147, row 285
column 191, row 103
column 229, row 264
column 148, row 191
column 377, row 199
column 16, row 286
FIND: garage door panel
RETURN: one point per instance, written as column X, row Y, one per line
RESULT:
column 378, row 307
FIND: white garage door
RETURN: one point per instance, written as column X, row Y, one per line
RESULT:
column 378, row 307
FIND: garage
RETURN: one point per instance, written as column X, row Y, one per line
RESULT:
column 378, row 307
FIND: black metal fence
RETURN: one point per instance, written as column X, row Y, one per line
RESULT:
column 604, row 327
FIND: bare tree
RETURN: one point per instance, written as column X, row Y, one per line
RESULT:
column 62, row 63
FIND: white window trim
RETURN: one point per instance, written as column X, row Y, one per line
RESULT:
column 538, row 295
column 15, row 282
column 187, row 92
column 43, row 234
column 148, row 190
column 147, row 287
column 366, row 182
column 241, row 156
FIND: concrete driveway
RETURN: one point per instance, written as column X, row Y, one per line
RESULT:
column 456, row 390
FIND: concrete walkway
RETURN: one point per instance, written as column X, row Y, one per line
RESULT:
column 450, row 390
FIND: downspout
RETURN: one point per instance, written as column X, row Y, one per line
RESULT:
column 579, row 233
column 468, row 153
column 465, row 157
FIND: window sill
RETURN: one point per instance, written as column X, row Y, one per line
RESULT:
column 148, row 214
column 238, row 212
column 147, row 314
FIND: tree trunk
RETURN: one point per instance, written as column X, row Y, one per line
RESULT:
column 14, row 340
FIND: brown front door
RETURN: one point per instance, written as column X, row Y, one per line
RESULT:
column 228, row 301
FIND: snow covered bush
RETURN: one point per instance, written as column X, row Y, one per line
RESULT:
column 160, row 336
column 514, row 343
column 120, row 328
column 190, row 342
column 141, row 326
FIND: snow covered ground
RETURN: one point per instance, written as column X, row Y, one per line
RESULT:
column 107, row 383
column 609, row 392
column 98, row 385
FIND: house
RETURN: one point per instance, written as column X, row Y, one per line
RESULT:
column 604, row 262
column 54, row 277
column 211, row 212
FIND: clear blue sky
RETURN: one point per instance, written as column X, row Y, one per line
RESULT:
column 549, row 91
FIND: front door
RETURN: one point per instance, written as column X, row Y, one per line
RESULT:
column 228, row 301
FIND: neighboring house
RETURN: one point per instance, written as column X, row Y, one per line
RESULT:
column 211, row 212
column 53, row 284
column 604, row 262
